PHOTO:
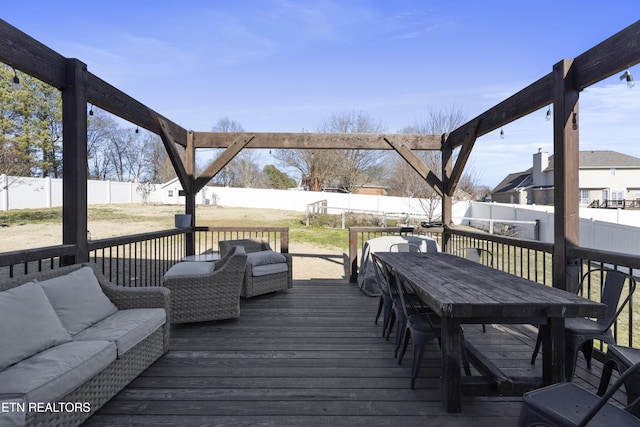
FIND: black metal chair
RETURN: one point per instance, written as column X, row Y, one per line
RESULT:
column 580, row 332
column 622, row 358
column 567, row 404
column 385, row 307
column 389, row 300
column 422, row 326
column 404, row 247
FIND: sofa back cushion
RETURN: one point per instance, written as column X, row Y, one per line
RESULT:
column 78, row 299
column 265, row 258
column 28, row 324
column 249, row 245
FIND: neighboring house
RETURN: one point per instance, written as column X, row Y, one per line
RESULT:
column 171, row 193
column 606, row 179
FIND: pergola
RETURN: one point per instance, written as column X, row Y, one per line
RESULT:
column 561, row 87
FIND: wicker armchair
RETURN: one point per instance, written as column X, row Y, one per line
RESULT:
column 202, row 291
column 274, row 274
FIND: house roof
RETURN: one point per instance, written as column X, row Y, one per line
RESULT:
column 592, row 159
column 602, row 159
column 514, row 181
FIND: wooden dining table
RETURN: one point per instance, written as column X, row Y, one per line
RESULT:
column 461, row 291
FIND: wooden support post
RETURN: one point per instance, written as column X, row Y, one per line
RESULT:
column 447, row 203
column 565, row 174
column 74, row 161
column 190, row 195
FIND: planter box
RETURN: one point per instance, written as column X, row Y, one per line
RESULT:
column 183, row 220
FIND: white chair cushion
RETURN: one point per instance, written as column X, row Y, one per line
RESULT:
column 265, row 258
column 78, row 299
column 53, row 373
column 190, row 268
column 125, row 327
column 28, row 324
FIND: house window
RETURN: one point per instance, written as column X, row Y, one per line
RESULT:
column 613, row 198
column 170, row 193
column 617, row 198
column 584, row 197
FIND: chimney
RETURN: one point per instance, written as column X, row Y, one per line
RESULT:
column 540, row 163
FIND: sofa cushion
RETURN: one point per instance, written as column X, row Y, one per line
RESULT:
column 265, row 258
column 13, row 411
column 190, row 268
column 265, row 270
column 125, row 327
column 28, row 324
column 78, row 299
column 53, row 373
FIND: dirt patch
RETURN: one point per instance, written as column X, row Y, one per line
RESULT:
column 309, row 261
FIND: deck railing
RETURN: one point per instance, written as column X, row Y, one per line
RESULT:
column 530, row 259
column 26, row 261
column 208, row 238
column 141, row 259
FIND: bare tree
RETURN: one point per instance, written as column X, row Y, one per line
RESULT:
column 246, row 172
column 353, row 168
column 313, row 165
column 225, row 124
column 344, row 169
column 404, row 178
column 100, row 126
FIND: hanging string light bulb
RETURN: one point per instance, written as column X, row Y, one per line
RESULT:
column 629, row 78
column 547, row 116
column 16, row 80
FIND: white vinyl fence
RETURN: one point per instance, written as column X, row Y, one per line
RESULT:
column 616, row 230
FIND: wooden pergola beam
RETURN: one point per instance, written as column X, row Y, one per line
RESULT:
column 372, row 141
column 528, row 100
column 451, row 184
column 221, row 161
column 610, row 57
column 174, row 156
column 417, row 164
column 23, row 52
column 103, row 95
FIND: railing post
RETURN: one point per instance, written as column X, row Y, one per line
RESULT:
column 190, row 196
column 353, row 255
column 284, row 241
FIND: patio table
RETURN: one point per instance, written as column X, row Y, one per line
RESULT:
column 208, row 257
column 462, row 292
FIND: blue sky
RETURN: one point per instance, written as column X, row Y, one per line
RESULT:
column 285, row 65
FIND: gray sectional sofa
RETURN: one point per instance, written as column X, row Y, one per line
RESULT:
column 71, row 340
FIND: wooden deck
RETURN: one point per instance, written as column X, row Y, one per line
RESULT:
column 311, row 356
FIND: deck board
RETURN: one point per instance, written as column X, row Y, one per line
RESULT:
column 310, row 356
